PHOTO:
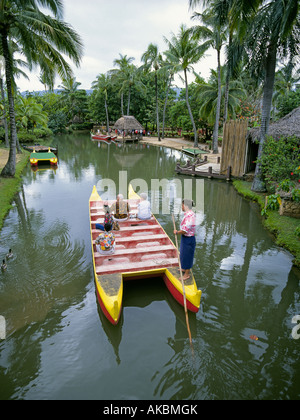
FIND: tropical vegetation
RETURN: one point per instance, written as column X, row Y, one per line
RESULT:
column 43, row 40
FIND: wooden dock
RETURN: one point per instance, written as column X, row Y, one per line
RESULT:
column 203, row 168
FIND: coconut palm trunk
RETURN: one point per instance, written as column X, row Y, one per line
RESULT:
column 189, row 109
column 228, row 73
column 128, row 103
column 107, row 117
column 122, row 103
column 157, row 111
column 165, row 105
column 218, row 110
column 4, row 114
column 258, row 182
column 9, row 169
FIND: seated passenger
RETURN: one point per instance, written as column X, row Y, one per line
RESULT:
column 105, row 243
column 120, row 208
column 108, row 219
column 144, row 208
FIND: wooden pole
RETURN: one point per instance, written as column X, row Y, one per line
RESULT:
column 183, row 288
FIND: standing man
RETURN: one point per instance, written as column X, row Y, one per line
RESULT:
column 188, row 242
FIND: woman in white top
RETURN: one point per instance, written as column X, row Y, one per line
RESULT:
column 144, row 208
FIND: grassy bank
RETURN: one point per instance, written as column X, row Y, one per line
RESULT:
column 282, row 227
column 9, row 186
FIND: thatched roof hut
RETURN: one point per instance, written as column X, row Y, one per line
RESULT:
column 287, row 126
column 128, row 123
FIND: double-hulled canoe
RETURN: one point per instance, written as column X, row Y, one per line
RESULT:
column 43, row 157
column 143, row 250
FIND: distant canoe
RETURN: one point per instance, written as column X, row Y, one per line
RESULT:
column 143, row 250
column 43, row 157
column 194, row 151
column 100, row 137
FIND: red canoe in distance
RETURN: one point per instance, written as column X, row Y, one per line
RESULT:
column 102, row 137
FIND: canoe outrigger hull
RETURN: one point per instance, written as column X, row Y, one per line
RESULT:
column 109, row 275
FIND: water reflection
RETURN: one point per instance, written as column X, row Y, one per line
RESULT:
column 142, row 294
column 46, row 268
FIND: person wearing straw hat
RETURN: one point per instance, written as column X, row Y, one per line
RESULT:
column 120, row 208
column 188, row 242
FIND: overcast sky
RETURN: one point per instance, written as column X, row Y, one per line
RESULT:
column 112, row 27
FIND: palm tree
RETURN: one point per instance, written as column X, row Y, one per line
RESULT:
column 274, row 32
column 267, row 30
column 30, row 113
column 102, row 85
column 152, row 59
column 185, row 50
column 132, row 79
column 17, row 63
column 209, row 93
column 213, row 34
column 69, row 96
column 43, row 39
column 285, row 80
column 121, row 74
column 169, row 69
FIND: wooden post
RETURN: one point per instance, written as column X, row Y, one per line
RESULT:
column 228, row 174
column 193, row 170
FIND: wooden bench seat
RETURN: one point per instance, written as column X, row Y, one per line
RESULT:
column 131, row 229
column 136, row 251
column 141, row 238
column 136, row 266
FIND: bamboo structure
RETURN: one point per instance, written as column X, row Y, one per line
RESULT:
column 234, row 148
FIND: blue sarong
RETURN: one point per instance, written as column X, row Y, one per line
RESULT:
column 187, row 251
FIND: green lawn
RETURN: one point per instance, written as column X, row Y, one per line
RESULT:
column 282, row 227
column 9, row 187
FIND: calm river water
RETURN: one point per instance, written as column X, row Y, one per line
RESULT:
column 58, row 344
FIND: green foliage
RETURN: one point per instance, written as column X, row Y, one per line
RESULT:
column 81, row 126
column 2, row 133
column 25, row 137
column 58, row 122
column 43, row 132
column 280, row 158
column 29, row 113
column 287, row 103
column 295, row 195
column 286, row 185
